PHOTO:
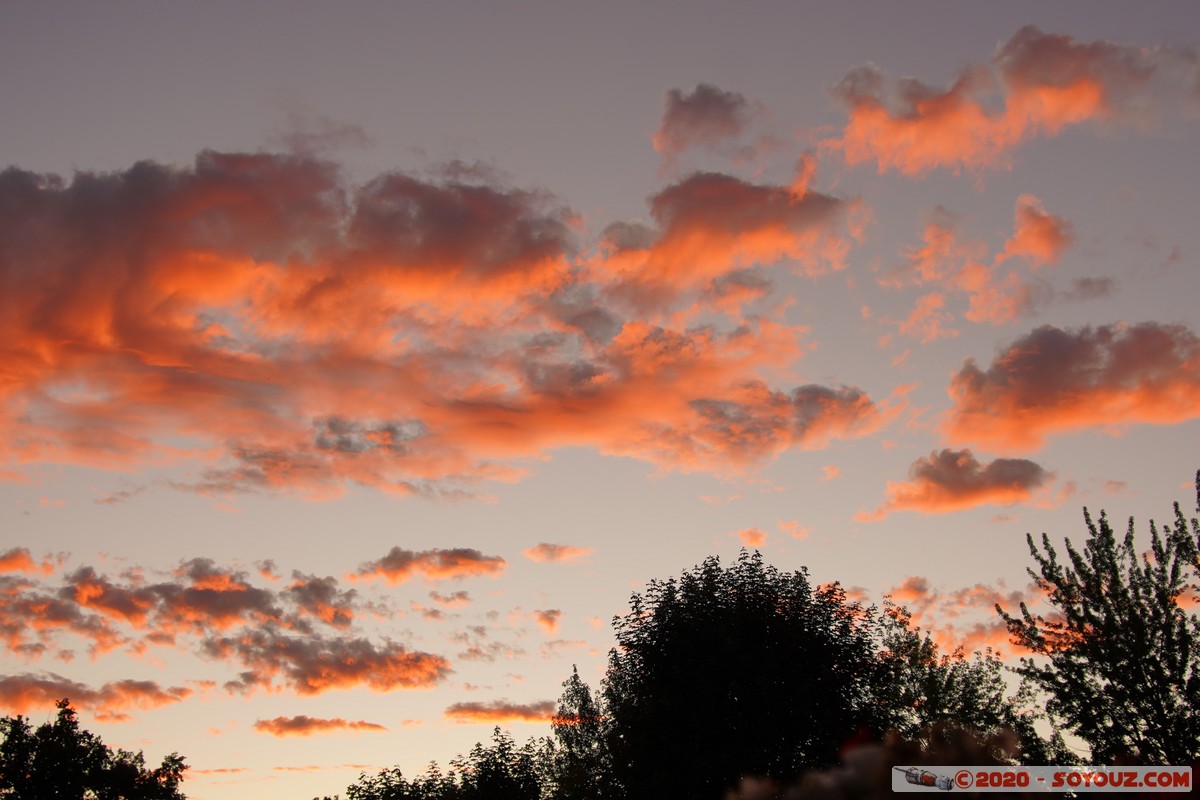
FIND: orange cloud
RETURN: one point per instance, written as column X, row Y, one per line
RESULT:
column 23, row 693
column 313, row 664
column 548, row 620
column 913, row 591
column 1054, row 380
column 265, row 327
column 321, row 598
column 30, row 619
column 994, row 294
column 964, row 617
column 273, row 635
column 952, row 480
column 1038, row 85
column 927, row 321
column 499, row 711
column 17, row 559
column 544, row 552
column 399, row 565
column 306, row 726
column 794, row 529
column 1039, row 236
column 752, row 537
column 712, row 225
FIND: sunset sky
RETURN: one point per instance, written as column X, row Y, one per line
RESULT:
column 358, row 361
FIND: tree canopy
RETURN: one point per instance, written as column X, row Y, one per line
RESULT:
column 60, row 760
column 729, row 672
column 725, row 672
column 501, row 771
column 1120, row 661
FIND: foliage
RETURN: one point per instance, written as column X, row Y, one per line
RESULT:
column 735, row 671
column 918, row 690
column 579, row 762
column 499, row 772
column 1121, row 659
column 61, row 760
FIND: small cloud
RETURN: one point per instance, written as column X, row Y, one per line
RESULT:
column 499, row 711
column 706, row 117
column 307, row 726
column 794, row 529
column 399, row 565
column 1038, row 236
column 752, row 537
column 952, row 480
column 112, row 498
column 453, row 600
column 18, row 559
column 546, row 552
column 548, row 619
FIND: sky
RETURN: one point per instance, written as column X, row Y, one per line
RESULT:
column 359, row 361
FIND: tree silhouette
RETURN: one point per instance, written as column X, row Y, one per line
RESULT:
column 735, row 671
column 62, row 761
column 499, row 772
column 918, row 690
column 579, row 762
column 729, row 673
column 1121, row 662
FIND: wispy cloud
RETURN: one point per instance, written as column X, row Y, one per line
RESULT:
column 501, row 711
column 306, row 726
column 545, row 552
column 400, row 565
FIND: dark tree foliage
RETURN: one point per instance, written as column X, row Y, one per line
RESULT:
column 579, row 763
column 60, row 760
column 732, row 672
column 736, row 671
column 918, row 690
column 1121, row 665
column 499, row 772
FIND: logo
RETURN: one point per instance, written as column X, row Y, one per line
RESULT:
column 923, row 777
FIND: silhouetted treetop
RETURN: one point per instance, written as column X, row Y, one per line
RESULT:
column 734, row 671
column 1121, row 661
column 61, row 760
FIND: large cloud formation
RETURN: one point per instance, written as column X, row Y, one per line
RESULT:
column 1038, row 84
column 257, row 318
column 304, row 636
column 1055, row 380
